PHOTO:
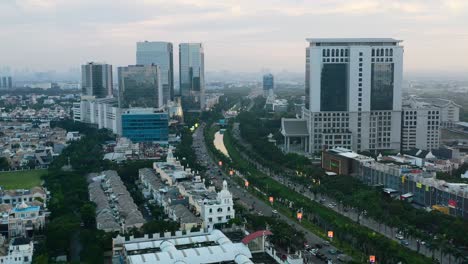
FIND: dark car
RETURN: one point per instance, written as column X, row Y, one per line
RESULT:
column 321, row 256
column 318, row 246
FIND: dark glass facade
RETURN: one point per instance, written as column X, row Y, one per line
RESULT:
column 147, row 127
column 334, row 87
column 139, row 86
column 98, row 86
column 382, row 76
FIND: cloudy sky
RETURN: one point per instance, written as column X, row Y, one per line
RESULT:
column 239, row 35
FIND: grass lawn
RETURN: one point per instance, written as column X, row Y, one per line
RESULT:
column 21, row 179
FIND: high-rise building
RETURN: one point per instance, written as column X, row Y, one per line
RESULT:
column 353, row 96
column 268, row 84
column 96, row 80
column 420, row 126
column 161, row 54
column 140, row 86
column 192, row 76
column 3, row 82
column 9, row 82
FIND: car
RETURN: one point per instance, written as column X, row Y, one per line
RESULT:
column 318, row 246
column 274, row 211
column 399, row 236
column 313, row 251
column 332, row 251
column 331, row 205
column 404, row 242
column 321, row 256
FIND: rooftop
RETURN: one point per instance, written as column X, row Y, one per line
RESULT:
column 353, row 40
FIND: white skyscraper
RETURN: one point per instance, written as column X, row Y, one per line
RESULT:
column 96, row 80
column 421, row 125
column 353, row 96
column 161, row 54
column 192, row 76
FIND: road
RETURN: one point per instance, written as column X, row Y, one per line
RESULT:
column 239, row 192
column 353, row 214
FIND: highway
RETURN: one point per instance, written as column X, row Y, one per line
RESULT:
column 258, row 205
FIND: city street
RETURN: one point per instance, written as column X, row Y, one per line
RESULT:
column 245, row 197
column 335, row 205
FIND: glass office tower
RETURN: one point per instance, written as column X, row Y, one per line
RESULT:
column 192, row 76
column 161, row 54
column 140, row 86
column 96, row 80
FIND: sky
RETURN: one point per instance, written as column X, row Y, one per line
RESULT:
column 238, row 35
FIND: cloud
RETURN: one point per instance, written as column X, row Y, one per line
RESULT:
column 264, row 33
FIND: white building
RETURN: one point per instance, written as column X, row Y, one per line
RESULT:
column 449, row 110
column 73, row 136
column 183, row 248
column 20, row 251
column 103, row 112
column 353, row 95
column 420, row 125
column 218, row 211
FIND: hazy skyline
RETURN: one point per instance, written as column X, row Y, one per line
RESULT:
column 237, row 35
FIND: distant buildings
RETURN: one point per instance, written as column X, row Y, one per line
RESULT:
column 140, row 86
column 268, row 84
column 192, row 76
column 6, row 82
column 353, row 95
column 96, row 80
column 161, row 54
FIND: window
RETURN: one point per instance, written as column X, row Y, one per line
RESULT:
column 373, row 52
column 324, row 53
column 220, row 218
column 229, row 209
column 360, row 54
column 220, row 210
column 211, row 210
column 210, row 219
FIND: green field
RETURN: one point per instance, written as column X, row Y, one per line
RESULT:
column 21, row 179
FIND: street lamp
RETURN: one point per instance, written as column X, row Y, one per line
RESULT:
column 299, row 215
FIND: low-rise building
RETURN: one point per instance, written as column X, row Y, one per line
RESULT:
column 409, row 178
column 115, row 208
column 16, row 197
column 183, row 248
column 21, row 220
column 19, row 251
column 219, row 210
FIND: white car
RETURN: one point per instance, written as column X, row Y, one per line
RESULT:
column 399, row 236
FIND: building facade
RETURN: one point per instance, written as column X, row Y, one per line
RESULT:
column 420, row 125
column 218, row 211
column 161, row 54
column 96, row 80
column 20, row 251
column 140, row 86
column 268, row 84
column 449, row 110
column 353, row 94
column 192, row 76
column 145, row 125
column 102, row 112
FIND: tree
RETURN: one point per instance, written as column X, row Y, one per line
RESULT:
column 4, row 164
column 88, row 215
